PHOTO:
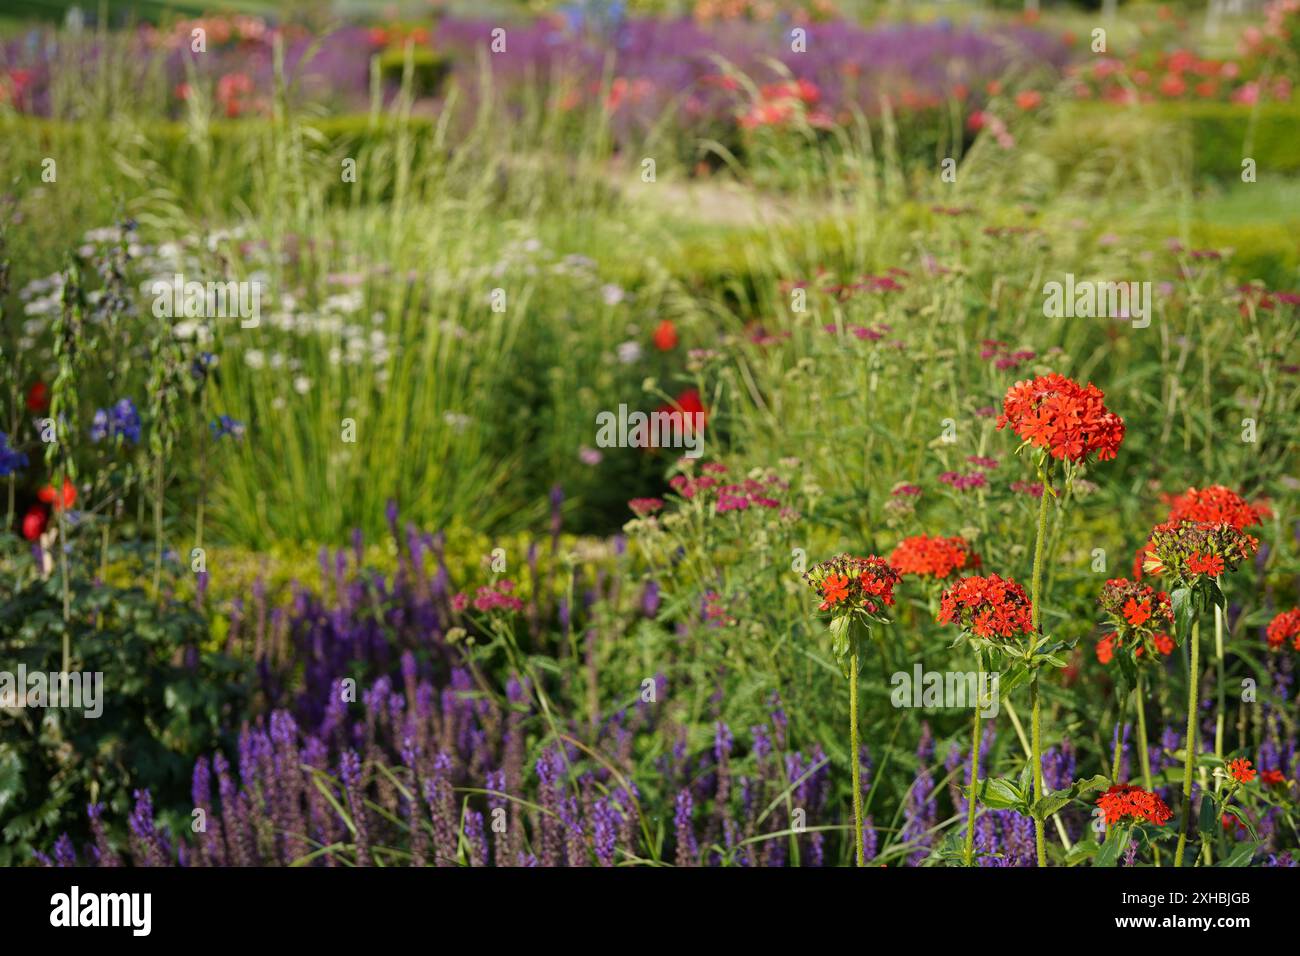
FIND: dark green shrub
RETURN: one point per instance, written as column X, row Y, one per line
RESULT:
column 163, row 703
column 429, row 68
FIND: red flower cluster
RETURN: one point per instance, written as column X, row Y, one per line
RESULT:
column 1216, row 505
column 988, row 607
column 644, row 507
column 847, row 583
column 1133, row 803
column 491, row 598
column 1285, row 627
column 1133, row 602
column 760, row 492
column 688, row 485
column 934, row 557
column 782, row 103
column 1059, row 414
column 1241, row 770
column 1135, row 611
column 1107, row 646
column 1271, row 778
column 1189, row 549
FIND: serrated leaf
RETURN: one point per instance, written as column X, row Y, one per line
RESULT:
column 997, row 793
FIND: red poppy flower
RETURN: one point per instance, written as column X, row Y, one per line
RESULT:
column 34, row 522
column 38, row 398
column 686, row 414
column 665, row 336
column 47, row 495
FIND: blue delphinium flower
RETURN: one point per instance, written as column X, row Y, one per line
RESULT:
column 120, row 421
column 225, row 425
column 10, row 459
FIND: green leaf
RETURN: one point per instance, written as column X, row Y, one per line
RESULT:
column 1207, row 821
column 998, row 794
column 1241, row 854
column 1049, row 804
column 1245, row 821
column 1116, row 843
column 1013, row 678
column 1184, row 608
column 1083, row 850
column 1026, row 777
column 1052, row 802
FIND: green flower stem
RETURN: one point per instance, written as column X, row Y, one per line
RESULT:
column 1119, row 741
column 853, row 756
column 974, row 765
column 157, row 526
column 1143, row 751
column 1035, row 718
column 1222, row 695
column 1189, row 767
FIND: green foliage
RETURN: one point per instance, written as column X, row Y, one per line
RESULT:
column 429, row 68
column 163, row 704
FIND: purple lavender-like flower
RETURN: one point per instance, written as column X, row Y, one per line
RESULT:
column 650, row 599
column 146, row 843
column 438, row 794
column 921, row 811
column 65, row 854
column 476, row 838
column 605, row 821
column 350, row 772
column 688, row 851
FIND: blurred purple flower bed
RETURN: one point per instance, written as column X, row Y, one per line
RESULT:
column 635, row 69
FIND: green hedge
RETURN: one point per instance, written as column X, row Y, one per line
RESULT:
column 1220, row 135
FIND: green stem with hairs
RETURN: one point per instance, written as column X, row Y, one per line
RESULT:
column 1143, row 750
column 157, row 527
column 1035, row 718
column 974, row 763
column 1190, row 766
column 853, row 756
column 1222, row 695
column 1119, row 741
